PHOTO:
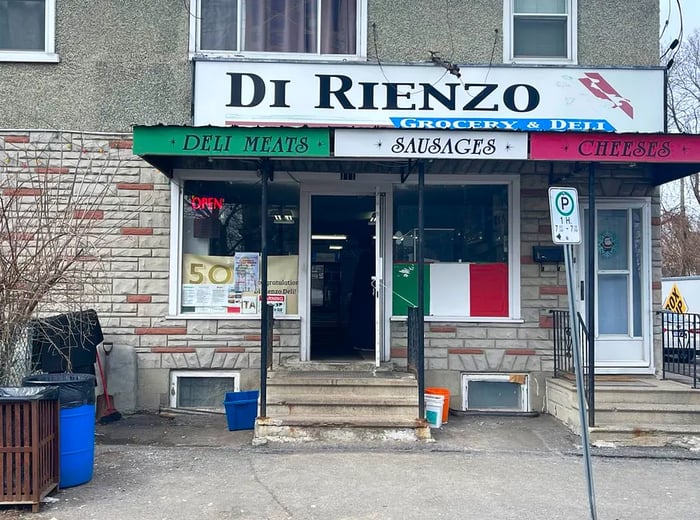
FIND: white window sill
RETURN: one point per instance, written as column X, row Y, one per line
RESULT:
column 273, row 56
column 541, row 61
column 29, row 57
column 462, row 319
column 235, row 317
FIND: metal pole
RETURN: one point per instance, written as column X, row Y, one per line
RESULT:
column 590, row 293
column 264, row 170
column 568, row 251
column 421, row 292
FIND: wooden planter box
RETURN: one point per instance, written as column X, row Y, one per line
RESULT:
column 29, row 449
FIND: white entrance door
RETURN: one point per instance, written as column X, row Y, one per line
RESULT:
column 622, row 278
column 343, row 274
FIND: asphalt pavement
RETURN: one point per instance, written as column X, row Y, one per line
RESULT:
column 496, row 467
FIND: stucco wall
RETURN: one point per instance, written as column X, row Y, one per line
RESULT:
column 122, row 63
column 610, row 32
column 125, row 63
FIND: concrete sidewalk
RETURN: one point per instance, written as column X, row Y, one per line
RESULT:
column 189, row 466
column 507, row 433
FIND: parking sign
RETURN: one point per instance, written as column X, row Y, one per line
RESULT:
column 564, row 215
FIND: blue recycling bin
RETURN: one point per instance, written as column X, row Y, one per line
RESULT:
column 76, row 397
column 241, row 409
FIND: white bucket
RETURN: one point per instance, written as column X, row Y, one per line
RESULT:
column 433, row 409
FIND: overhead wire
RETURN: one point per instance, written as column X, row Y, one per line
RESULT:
column 676, row 43
column 668, row 19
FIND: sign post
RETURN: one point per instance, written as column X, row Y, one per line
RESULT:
column 566, row 230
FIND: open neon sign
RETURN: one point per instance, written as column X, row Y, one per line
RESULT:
column 198, row 202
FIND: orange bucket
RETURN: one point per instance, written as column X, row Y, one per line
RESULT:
column 446, row 402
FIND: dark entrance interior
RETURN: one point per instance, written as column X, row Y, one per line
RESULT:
column 342, row 266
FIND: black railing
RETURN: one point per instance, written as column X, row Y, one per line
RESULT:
column 413, row 341
column 415, row 354
column 680, row 342
column 564, row 353
column 563, row 344
column 267, row 329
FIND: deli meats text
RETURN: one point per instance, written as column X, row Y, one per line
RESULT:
column 249, row 90
column 441, row 145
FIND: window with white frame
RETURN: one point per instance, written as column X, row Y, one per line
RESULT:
column 221, row 245
column 205, row 389
column 299, row 27
column 540, row 31
column 495, row 392
column 27, row 30
column 466, row 248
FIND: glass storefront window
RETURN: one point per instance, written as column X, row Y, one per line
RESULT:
column 221, row 243
column 465, row 249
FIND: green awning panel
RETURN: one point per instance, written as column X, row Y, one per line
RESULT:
column 231, row 142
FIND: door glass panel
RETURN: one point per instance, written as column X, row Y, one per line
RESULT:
column 612, row 240
column 613, row 314
column 637, row 272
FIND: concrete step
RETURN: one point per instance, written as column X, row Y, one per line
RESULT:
column 336, row 429
column 648, row 401
column 291, row 392
column 681, row 395
column 344, row 395
column 660, row 392
column 347, row 422
column 335, row 366
column 340, row 378
column 652, row 413
column 646, row 435
column 376, row 407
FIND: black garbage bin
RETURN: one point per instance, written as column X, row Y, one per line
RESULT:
column 66, row 342
column 76, row 397
column 28, row 444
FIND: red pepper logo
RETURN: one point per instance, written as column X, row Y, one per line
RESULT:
column 600, row 88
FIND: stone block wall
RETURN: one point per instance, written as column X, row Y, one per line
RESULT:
column 131, row 290
column 525, row 345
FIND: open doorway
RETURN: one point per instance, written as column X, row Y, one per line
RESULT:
column 342, row 321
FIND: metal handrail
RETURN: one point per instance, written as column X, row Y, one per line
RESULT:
column 412, row 342
column 563, row 348
column 680, row 343
column 267, row 327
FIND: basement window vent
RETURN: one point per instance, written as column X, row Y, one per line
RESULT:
column 495, row 393
column 202, row 389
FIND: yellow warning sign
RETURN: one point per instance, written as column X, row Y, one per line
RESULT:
column 675, row 302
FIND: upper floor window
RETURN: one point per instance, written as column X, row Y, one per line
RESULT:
column 27, row 30
column 310, row 27
column 541, row 31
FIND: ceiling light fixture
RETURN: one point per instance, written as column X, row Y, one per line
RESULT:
column 329, row 237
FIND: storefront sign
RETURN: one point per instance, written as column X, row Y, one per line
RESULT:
column 207, row 141
column 210, row 203
column 426, row 97
column 667, row 148
column 424, row 143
